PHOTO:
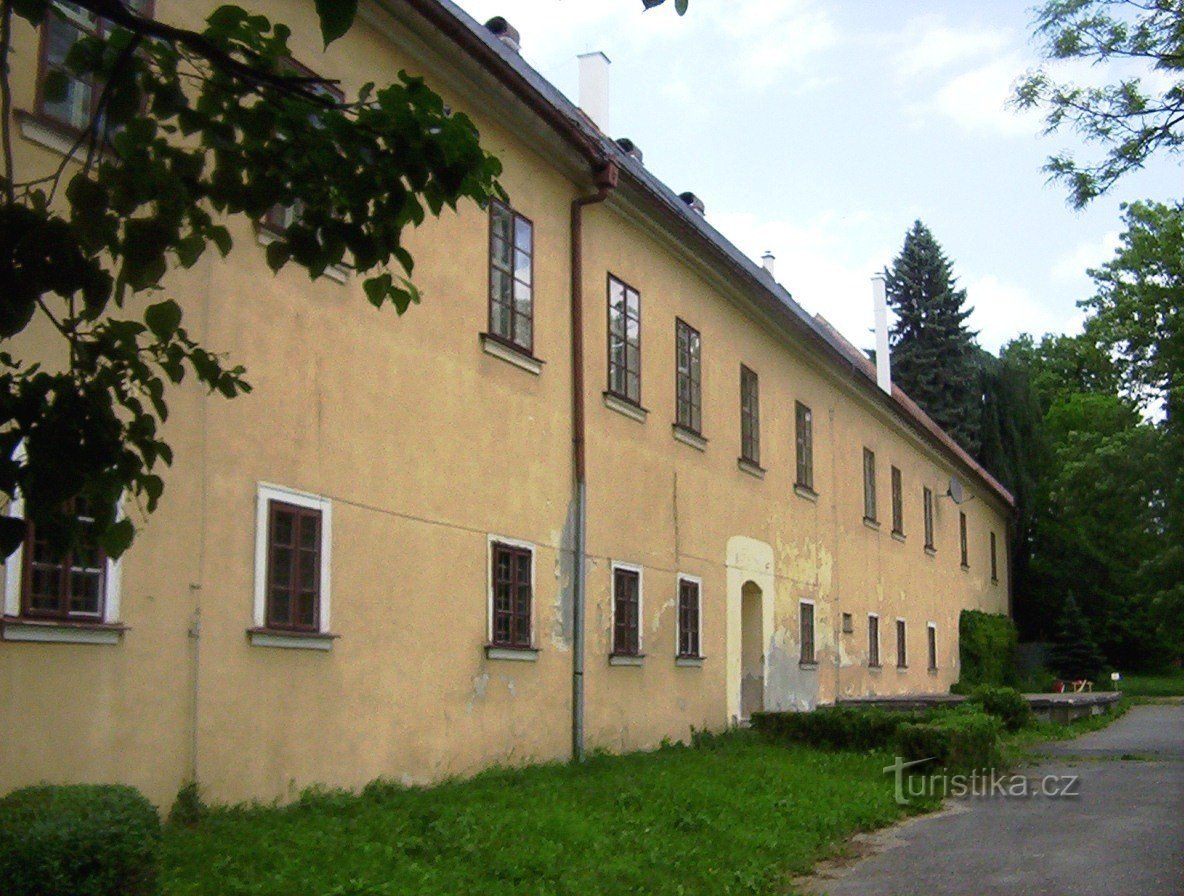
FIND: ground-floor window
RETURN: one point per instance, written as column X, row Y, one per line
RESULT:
column 688, row 618
column 626, row 611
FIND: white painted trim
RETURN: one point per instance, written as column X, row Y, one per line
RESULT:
column 36, row 131
column 48, row 632
column 266, row 492
column 498, row 349
column 679, row 579
column 291, row 642
column 632, row 567
column 750, row 468
column 491, row 539
column 513, row 654
column 687, row 437
column 689, row 662
column 628, row 408
column 626, row 659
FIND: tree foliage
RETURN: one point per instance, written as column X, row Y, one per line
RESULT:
column 933, row 352
column 1132, row 119
column 191, row 129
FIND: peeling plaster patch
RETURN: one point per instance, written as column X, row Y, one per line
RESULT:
column 561, row 619
column 480, row 688
column 511, row 687
column 662, row 610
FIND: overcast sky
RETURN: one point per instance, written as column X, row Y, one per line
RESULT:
column 821, row 131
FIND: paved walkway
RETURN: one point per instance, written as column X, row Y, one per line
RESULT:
column 1122, row 835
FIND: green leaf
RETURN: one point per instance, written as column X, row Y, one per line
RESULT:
column 12, row 533
column 55, row 86
column 680, row 6
column 118, row 538
column 221, row 238
column 336, row 17
column 31, row 10
column 377, row 289
column 278, row 254
column 163, row 318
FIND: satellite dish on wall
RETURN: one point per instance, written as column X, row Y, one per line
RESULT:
column 956, row 492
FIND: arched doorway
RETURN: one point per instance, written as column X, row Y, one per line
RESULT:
column 752, row 650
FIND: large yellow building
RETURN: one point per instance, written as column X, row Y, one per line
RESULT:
column 609, row 484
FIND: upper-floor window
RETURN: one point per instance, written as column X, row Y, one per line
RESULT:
column 994, row 561
column 688, row 618
column 750, row 417
column 806, row 625
column 869, row 485
column 897, row 502
column 902, row 654
column 927, row 502
column 65, row 585
column 626, row 611
column 804, row 433
column 688, row 392
column 962, row 539
column 624, row 341
column 512, row 586
column 511, row 277
column 65, row 25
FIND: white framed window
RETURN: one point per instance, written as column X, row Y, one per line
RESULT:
column 510, row 584
column 83, row 586
column 293, row 540
column 931, row 640
column 628, row 607
column 689, row 636
column 902, row 653
column 873, row 640
column 807, row 655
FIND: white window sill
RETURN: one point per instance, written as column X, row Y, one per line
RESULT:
column 260, row 637
column 809, row 666
column 494, row 347
column 626, row 659
column 689, row 662
column 626, row 407
column 750, row 468
column 804, row 491
column 684, row 435
column 49, row 631
column 899, row 536
column 931, row 551
column 871, row 524
column 266, row 237
column 513, row 654
column 43, row 133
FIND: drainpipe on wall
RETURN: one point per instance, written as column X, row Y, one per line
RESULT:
column 606, row 179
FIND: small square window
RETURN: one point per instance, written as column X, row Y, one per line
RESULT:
column 848, row 624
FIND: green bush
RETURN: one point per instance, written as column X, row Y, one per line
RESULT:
column 986, row 645
column 960, row 740
column 78, row 840
column 1006, row 704
column 835, row 727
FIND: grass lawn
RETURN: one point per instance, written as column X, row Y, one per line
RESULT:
column 1170, row 684
column 737, row 815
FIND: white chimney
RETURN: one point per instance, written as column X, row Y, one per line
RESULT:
column 767, row 261
column 594, row 88
column 883, row 361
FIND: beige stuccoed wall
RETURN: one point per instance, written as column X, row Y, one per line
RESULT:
column 427, row 448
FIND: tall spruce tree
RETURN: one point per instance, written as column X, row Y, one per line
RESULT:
column 933, row 353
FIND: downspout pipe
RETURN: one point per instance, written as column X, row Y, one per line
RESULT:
column 607, row 174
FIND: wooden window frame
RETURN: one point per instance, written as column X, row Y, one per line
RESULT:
column 101, row 27
column 688, row 384
column 262, row 632
column 627, row 611
column 302, row 516
column 807, row 654
column 513, row 340
column 65, row 567
column 873, row 640
column 963, row 539
column 902, row 649
column 520, row 555
column 750, row 416
column 613, row 367
column 897, row 501
column 994, row 559
column 690, row 618
column 927, row 503
column 931, row 639
column 869, row 485
column 804, row 445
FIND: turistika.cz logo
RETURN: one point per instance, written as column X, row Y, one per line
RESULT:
column 979, row 783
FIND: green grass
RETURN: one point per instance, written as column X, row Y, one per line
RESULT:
column 737, row 815
column 1170, row 684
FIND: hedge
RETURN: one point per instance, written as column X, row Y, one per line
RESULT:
column 987, row 645
column 1006, row 704
column 78, row 840
column 959, row 740
column 835, row 727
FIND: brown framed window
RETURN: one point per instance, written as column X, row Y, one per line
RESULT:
column 750, row 417
column 511, row 277
column 806, row 626
column 994, row 561
column 873, row 641
column 932, row 646
column 927, row 502
column 688, row 392
column 804, row 439
column 688, row 618
column 293, row 567
column 962, row 540
column 624, row 341
column 897, row 502
column 869, row 485
column 512, row 592
column 65, row 25
column 902, row 653
column 626, row 612
column 70, row 585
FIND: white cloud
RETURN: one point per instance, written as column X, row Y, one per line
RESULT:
column 1072, row 266
column 1003, row 310
column 930, row 45
column 977, row 100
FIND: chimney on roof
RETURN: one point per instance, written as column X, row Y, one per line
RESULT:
column 694, row 202
column 767, row 261
column 505, row 32
column 883, row 360
column 631, row 149
column 594, row 87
